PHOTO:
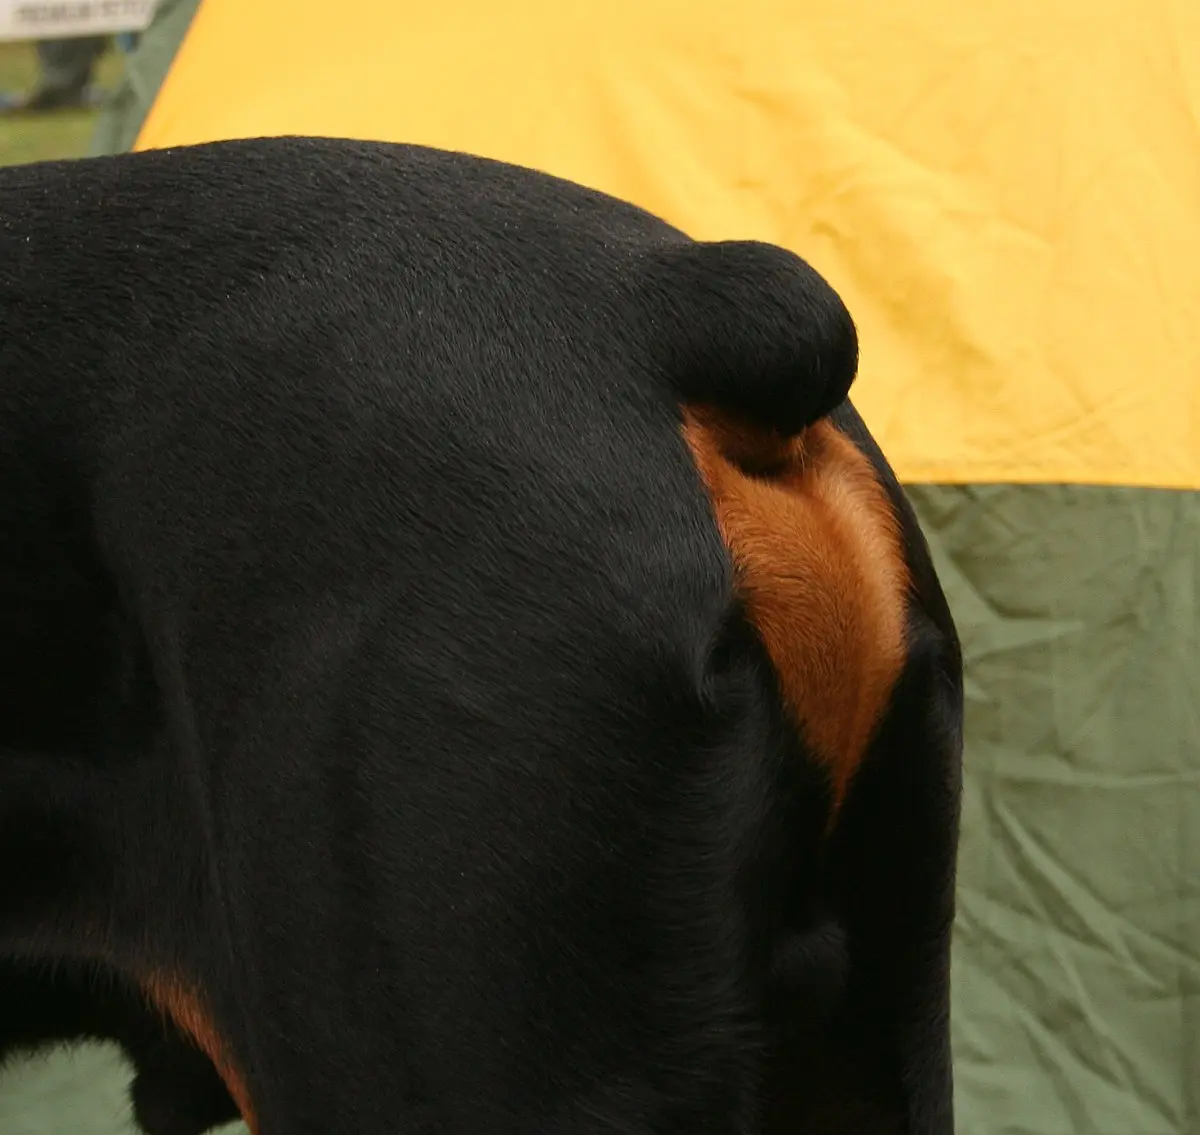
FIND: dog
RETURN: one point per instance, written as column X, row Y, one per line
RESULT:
column 464, row 664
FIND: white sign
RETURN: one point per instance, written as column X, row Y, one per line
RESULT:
column 60, row 19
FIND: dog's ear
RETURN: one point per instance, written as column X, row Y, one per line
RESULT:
column 750, row 330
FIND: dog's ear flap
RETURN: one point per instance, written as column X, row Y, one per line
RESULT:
column 750, row 330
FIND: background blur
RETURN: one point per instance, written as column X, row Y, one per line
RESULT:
column 63, row 134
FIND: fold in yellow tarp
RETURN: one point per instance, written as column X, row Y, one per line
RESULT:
column 1007, row 194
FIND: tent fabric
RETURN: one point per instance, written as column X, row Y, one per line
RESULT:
column 1008, row 196
column 83, row 1092
column 1077, row 943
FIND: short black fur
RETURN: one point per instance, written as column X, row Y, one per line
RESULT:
column 371, row 661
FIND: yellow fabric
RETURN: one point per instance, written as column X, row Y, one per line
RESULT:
column 1007, row 194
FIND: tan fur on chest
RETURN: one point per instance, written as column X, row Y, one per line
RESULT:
column 816, row 548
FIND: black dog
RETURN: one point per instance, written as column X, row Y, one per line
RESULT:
column 464, row 666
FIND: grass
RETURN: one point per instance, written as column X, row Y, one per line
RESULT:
column 40, row 137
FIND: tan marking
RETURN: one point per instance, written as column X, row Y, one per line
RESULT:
column 816, row 547
column 186, row 1009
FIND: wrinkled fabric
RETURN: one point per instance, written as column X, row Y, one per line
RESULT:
column 1008, row 195
column 1077, row 951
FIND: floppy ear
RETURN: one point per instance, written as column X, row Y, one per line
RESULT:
column 750, row 329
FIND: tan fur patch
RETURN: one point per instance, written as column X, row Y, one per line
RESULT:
column 816, row 547
column 186, row 1009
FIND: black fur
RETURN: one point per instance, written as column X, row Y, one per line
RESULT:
column 369, row 655
column 175, row 1090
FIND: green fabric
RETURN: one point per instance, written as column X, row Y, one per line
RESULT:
column 81, row 1091
column 1077, row 953
column 145, row 70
